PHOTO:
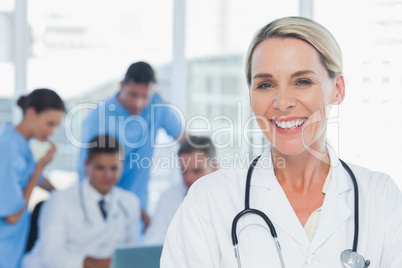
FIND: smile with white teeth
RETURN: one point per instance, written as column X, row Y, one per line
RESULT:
column 290, row 124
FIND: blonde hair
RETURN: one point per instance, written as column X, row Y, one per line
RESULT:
column 306, row 30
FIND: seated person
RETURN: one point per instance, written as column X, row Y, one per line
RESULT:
column 82, row 226
column 195, row 156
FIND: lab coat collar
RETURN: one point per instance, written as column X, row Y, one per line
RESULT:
column 268, row 179
column 265, row 168
column 334, row 210
column 93, row 196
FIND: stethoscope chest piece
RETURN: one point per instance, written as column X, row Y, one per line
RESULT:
column 353, row 259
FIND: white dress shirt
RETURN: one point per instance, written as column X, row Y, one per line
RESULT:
column 71, row 227
column 312, row 222
column 168, row 204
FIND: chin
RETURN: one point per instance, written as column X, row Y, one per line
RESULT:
column 105, row 190
column 108, row 186
column 289, row 149
column 41, row 139
column 294, row 148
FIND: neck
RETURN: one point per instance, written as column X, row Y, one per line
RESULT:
column 24, row 130
column 303, row 171
column 119, row 99
column 100, row 191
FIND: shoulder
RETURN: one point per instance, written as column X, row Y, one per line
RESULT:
column 10, row 150
column 157, row 98
column 373, row 179
column 228, row 177
column 221, row 185
column 378, row 187
column 64, row 197
column 5, row 137
column 10, row 141
column 214, row 198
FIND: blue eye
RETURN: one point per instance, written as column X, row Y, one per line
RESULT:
column 264, row 86
column 303, row 82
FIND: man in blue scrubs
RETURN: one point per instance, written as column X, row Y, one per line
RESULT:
column 133, row 116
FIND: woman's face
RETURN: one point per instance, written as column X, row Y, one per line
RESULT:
column 291, row 93
column 45, row 123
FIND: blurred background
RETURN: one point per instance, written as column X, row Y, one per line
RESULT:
column 81, row 49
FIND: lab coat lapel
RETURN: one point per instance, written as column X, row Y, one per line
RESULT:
column 335, row 211
column 274, row 203
column 113, row 212
column 108, row 227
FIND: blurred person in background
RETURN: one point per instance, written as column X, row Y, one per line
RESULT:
column 43, row 111
column 83, row 225
column 134, row 115
column 197, row 159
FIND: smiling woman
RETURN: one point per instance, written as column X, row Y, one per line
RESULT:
column 289, row 92
column 313, row 203
column 305, row 71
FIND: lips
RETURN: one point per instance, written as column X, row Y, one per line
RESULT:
column 289, row 124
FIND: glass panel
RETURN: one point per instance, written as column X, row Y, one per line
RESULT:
column 368, row 128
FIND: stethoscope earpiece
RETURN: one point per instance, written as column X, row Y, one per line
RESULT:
column 352, row 259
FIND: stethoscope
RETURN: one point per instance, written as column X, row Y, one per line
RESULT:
column 350, row 258
column 87, row 220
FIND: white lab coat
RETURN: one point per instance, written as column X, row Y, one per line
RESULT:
column 200, row 232
column 168, row 204
column 66, row 238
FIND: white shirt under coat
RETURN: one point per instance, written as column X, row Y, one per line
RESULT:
column 67, row 236
column 200, row 233
column 168, row 204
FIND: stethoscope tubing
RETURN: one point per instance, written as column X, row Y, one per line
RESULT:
column 247, row 210
column 84, row 207
column 356, row 197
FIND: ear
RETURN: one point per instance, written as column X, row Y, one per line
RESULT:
column 86, row 163
column 30, row 113
column 121, row 84
column 249, row 96
column 214, row 165
column 339, row 94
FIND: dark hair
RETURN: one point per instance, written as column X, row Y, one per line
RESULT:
column 197, row 143
column 103, row 144
column 41, row 99
column 140, row 72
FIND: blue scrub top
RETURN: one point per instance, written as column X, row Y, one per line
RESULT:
column 136, row 133
column 16, row 168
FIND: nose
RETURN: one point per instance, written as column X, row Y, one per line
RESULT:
column 284, row 99
column 140, row 103
column 109, row 174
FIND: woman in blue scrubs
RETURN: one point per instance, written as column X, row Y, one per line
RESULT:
column 43, row 111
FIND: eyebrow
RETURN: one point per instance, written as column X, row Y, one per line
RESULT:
column 299, row 73
column 268, row 75
column 262, row 75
